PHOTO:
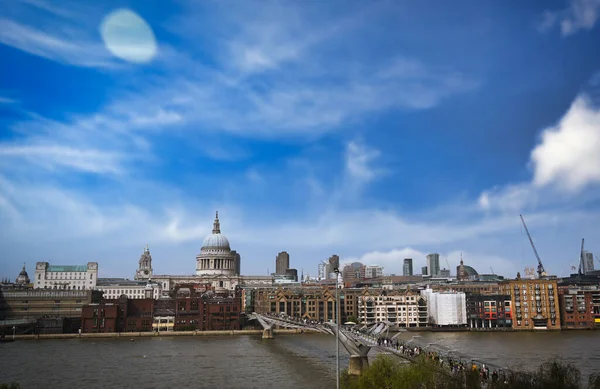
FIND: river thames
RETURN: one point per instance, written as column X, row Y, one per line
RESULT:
column 288, row 361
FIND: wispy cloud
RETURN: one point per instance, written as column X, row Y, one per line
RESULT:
column 66, row 49
column 579, row 15
column 359, row 161
column 53, row 156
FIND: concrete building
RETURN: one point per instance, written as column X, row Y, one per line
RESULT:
column 433, row 264
column 404, row 308
column 407, row 267
column 67, row 277
column 282, row 262
column 334, row 263
column 32, row 304
column 489, row 311
column 445, row 273
column 535, row 302
column 324, row 270
column 588, row 262
column 373, row 271
column 114, row 288
column 445, row 308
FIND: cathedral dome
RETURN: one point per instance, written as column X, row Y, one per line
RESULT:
column 216, row 240
column 23, row 277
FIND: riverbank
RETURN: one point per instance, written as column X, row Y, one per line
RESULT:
column 132, row 335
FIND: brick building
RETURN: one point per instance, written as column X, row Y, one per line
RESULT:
column 489, row 311
column 120, row 315
column 577, row 307
column 308, row 302
column 535, row 303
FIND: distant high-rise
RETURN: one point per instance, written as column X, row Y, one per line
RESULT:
column 324, row 270
column 282, row 262
column 433, row 264
column 424, row 270
column 407, row 267
column 334, row 263
column 373, row 271
column 588, row 262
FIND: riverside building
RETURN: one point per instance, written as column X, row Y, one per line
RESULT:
column 65, row 277
column 405, row 308
column 535, row 302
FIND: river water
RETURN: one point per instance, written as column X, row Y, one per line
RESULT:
column 288, row 361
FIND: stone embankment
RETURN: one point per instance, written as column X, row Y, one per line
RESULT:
column 131, row 335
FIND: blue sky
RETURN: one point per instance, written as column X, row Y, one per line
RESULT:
column 373, row 130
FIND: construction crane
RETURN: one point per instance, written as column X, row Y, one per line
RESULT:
column 492, row 269
column 540, row 268
column 447, row 263
column 581, row 260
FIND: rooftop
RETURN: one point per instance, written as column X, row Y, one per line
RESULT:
column 67, row 268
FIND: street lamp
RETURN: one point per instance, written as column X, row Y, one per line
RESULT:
column 337, row 330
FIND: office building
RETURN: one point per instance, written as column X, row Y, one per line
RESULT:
column 433, row 264
column 588, row 262
column 407, row 267
column 282, row 262
column 373, row 271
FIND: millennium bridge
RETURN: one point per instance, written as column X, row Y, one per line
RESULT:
column 358, row 343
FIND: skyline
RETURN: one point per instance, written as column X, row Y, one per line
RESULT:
column 375, row 132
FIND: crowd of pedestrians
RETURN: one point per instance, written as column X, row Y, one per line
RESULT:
column 456, row 366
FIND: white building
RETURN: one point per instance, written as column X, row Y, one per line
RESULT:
column 446, row 308
column 373, row 271
column 406, row 309
column 114, row 288
column 324, row 270
column 69, row 277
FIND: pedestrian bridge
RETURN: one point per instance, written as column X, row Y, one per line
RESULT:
column 357, row 344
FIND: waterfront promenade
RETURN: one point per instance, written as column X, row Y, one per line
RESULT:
column 158, row 334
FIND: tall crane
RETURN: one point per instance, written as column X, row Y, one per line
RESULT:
column 540, row 268
column 581, row 259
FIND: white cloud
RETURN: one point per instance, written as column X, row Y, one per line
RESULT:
column 56, row 156
column 69, row 49
column 568, row 155
column 579, row 15
column 508, row 199
column 359, row 160
column 392, row 260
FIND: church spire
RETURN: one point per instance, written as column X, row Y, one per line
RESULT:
column 216, row 225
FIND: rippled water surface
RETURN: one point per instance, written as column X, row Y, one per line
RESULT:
column 288, row 361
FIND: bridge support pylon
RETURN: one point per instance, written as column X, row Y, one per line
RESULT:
column 267, row 333
column 357, row 364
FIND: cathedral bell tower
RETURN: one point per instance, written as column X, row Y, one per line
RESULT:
column 144, row 271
